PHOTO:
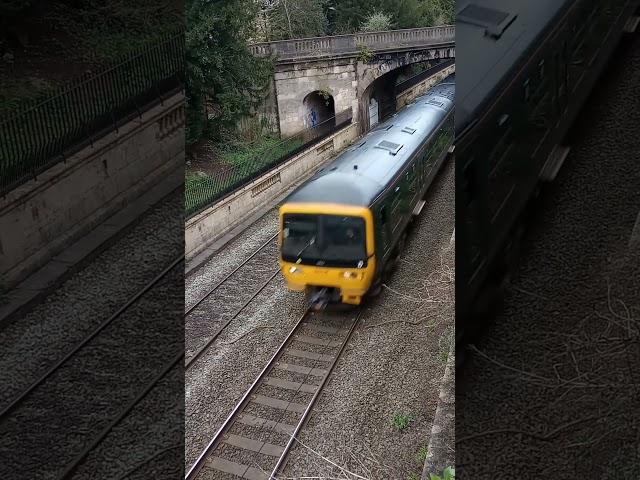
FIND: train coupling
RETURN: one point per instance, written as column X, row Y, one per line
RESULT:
column 319, row 299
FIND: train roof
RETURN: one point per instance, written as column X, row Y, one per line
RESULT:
column 380, row 154
column 496, row 35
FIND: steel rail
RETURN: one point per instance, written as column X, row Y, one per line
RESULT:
column 190, row 309
column 20, row 397
column 285, row 454
column 199, row 463
column 74, row 464
column 202, row 349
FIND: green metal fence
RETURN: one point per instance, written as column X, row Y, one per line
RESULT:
column 72, row 117
column 202, row 191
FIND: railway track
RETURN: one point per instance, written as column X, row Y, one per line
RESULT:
column 255, row 439
column 42, row 398
column 213, row 312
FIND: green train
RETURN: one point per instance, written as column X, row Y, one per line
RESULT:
column 525, row 70
column 343, row 230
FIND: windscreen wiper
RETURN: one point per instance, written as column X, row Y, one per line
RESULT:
column 311, row 242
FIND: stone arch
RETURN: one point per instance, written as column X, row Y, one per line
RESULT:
column 377, row 102
column 384, row 65
column 319, row 106
column 376, row 79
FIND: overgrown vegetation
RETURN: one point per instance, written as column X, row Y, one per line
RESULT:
column 236, row 160
column 364, row 53
column 44, row 44
column 350, row 15
column 285, row 19
column 224, row 80
column 376, row 21
column 444, row 345
column 263, row 151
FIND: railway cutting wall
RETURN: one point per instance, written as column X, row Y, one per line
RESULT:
column 41, row 218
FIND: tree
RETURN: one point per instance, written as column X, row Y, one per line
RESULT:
column 438, row 12
column 221, row 71
column 287, row 19
column 350, row 15
column 375, row 22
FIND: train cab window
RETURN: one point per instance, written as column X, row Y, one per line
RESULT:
column 329, row 240
column 527, row 90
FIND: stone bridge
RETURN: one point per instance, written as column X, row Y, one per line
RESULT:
column 315, row 78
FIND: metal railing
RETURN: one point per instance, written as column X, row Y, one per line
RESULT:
column 351, row 44
column 202, row 191
column 87, row 108
column 419, row 77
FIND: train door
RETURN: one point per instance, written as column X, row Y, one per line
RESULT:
column 395, row 211
column 383, row 231
column 473, row 225
column 413, row 190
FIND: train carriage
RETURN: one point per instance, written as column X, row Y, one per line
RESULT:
column 527, row 68
column 342, row 230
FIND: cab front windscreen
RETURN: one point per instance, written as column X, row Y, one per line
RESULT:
column 324, row 240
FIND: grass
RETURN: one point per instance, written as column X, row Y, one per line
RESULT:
column 401, row 421
column 253, row 156
column 15, row 92
column 422, row 453
column 246, row 159
column 443, row 354
column 105, row 32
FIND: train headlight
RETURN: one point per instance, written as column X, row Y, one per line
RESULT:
column 295, row 270
column 350, row 275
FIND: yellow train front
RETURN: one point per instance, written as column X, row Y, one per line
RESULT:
column 327, row 251
column 343, row 230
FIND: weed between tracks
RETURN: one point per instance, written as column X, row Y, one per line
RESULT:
column 401, row 421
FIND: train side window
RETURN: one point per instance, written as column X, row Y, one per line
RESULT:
column 527, row 91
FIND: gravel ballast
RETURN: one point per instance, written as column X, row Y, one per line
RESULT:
column 89, row 297
column 63, row 415
column 393, row 364
column 398, row 364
